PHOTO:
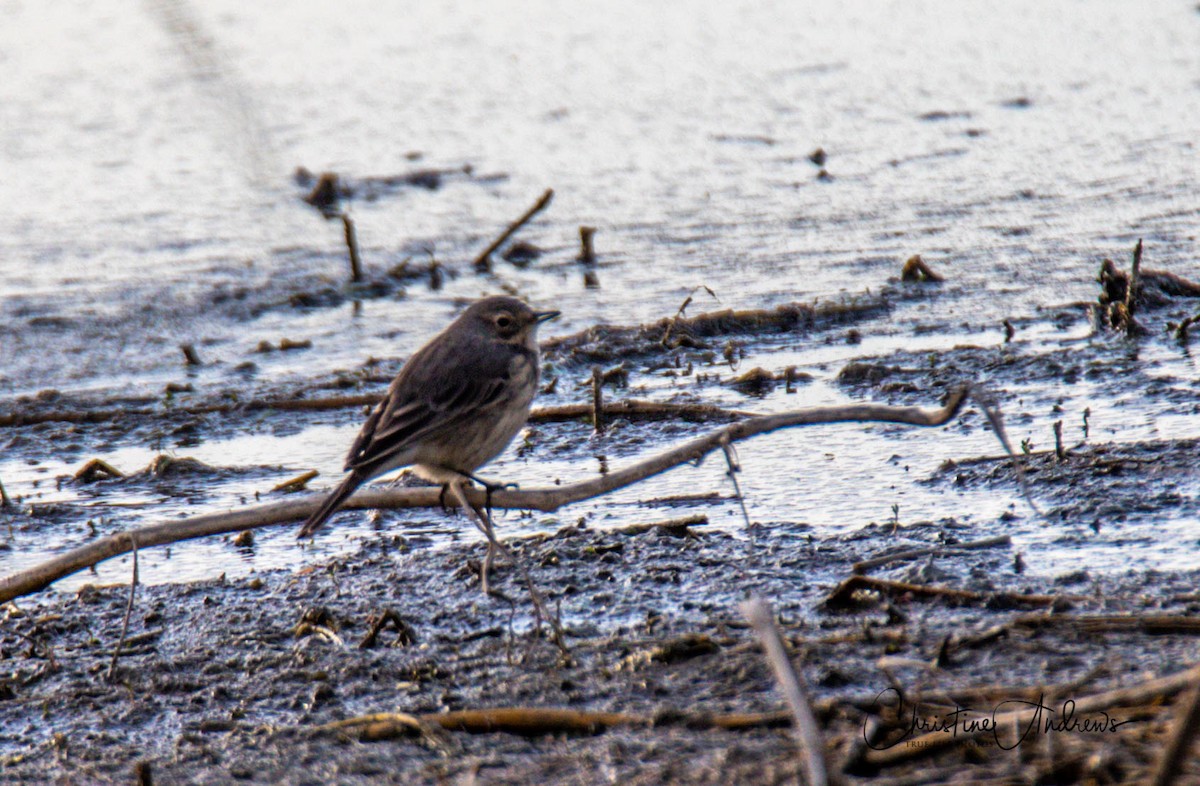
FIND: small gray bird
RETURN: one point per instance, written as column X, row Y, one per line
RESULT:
column 455, row 405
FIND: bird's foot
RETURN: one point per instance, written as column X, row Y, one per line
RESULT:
column 489, row 489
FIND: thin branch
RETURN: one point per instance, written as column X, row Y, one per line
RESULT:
column 808, row 731
column 897, row 556
column 843, row 596
column 546, row 499
column 1187, row 722
column 482, row 261
column 133, row 582
column 352, row 246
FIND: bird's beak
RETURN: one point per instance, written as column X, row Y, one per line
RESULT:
column 544, row 316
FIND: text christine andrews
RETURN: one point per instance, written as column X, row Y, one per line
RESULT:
column 1007, row 725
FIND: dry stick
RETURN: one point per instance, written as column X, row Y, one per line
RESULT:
column 597, row 400
column 587, row 252
column 991, row 411
column 47, row 650
column 1091, row 624
column 733, row 467
column 536, row 721
column 482, row 262
column 934, row 741
column 133, row 582
column 682, row 308
column 190, row 356
column 352, row 245
column 1134, row 273
column 843, row 595
column 808, row 732
column 631, row 408
column 875, row 562
column 547, row 499
column 1187, row 722
column 483, row 521
column 4, row 500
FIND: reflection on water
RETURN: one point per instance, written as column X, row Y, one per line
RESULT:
column 147, row 162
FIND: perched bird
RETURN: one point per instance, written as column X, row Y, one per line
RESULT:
column 455, row 405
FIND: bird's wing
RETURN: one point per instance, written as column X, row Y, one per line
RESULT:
column 434, row 392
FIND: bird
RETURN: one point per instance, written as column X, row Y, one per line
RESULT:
column 454, row 406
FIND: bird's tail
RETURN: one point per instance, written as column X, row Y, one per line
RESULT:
column 331, row 504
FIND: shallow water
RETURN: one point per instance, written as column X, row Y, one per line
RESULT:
column 147, row 151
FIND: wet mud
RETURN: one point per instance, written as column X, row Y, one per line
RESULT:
column 232, row 680
column 248, row 679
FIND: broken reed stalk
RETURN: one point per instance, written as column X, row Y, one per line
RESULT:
column 587, row 251
column 843, row 595
column 190, row 356
column 898, row 556
column 483, row 261
column 538, row 721
column 597, row 400
column 1187, row 722
column 1135, row 270
column 808, row 732
column 352, row 244
column 546, row 499
column 133, row 582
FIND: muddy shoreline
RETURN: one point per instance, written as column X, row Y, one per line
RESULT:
column 248, row 678
column 227, row 680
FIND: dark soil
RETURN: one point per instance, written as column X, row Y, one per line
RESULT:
column 226, row 681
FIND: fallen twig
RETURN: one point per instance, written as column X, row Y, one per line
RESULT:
column 1151, row 625
column 1187, row 722
column 915, row 269
column 546, row 499
column 808, row 732
column 843, row 595
column 538, row 721
column 298, row 483
column 678, row 527
column 884, row 559
column 405, row 635
column 133, row 582
column 483, row 261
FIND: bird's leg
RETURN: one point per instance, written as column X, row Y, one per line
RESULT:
column 542, row 611
column 484, row 524
column 442, row 498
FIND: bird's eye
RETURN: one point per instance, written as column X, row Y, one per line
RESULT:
column 504, row 321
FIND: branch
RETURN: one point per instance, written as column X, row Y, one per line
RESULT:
column 808, row 731
column 482, row 263
column 543, row 499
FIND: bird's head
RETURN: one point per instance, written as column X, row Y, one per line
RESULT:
column 507, row 319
